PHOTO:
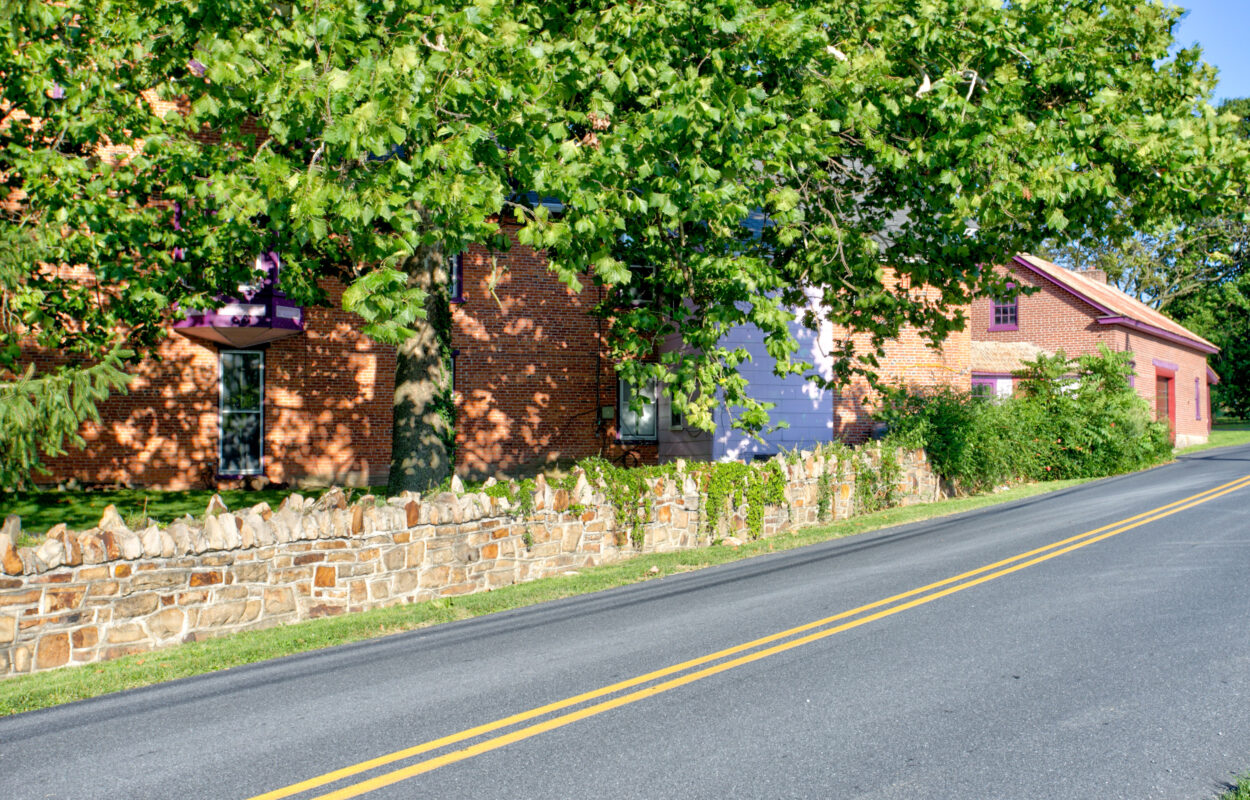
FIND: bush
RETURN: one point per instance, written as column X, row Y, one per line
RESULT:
column 1071, row 419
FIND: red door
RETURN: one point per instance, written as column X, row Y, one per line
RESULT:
column 1165, row 402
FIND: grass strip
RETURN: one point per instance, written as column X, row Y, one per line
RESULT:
column 41, row 690
column 1222, row 436
column 81, row 509
column 1239, row 792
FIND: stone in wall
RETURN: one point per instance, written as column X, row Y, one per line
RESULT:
column 110, row 591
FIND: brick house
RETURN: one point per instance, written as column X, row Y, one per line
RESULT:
column 1076, row 312
column 260, row 387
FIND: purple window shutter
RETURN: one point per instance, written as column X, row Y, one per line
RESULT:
column 1197, row 399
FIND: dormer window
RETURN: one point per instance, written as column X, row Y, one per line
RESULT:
column 1005, row 314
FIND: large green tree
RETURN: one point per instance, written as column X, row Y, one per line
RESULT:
column 1221, row 313
column 1198, row 272
column 930, row 136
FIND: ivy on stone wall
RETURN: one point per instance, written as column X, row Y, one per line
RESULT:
column 628, row 492
column 733, row 483
column 876, row 485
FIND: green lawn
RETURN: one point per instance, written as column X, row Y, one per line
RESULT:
column 39, row 690
column 1223, row 434
column 81, row 509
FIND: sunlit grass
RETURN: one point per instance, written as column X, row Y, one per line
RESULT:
column 1222, row 435
column 81, row 509
column 1239, row 792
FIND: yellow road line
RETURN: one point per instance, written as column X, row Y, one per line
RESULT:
column 1034, row 557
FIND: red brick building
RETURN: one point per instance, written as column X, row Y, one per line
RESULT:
column 234, row 398
column 1076, row 312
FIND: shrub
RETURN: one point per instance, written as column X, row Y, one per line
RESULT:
column 1071, row 419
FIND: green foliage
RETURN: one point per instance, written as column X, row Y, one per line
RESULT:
column 521, row 496
column 877, row 475
column 39, row 414
column 731, row 484
column 825, row 495
column 401, row 125
column 1071, row 419
column 628, row 493
column 1222, row 315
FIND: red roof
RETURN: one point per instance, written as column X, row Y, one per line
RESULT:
column 1117, row 307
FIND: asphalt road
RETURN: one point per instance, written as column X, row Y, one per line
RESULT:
column 1116, row 665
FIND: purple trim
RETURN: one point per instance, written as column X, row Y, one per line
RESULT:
column 264, row 316
column 1114, row 318
column 1158, row 364
column 457, row 278
column 1132, row 376
column 1197, row 398
column 992, row 375
column 1129, row 322
column 1212, row 377
column 1005, row 316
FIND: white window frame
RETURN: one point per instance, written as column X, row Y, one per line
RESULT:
column 624, row 393
column 222, row 411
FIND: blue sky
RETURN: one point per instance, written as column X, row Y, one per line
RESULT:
column 1222, row 27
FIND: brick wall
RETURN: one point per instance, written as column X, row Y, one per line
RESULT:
column 1055, row 319
column 1052, row 319
column 529, row 385
column 908, row 361
column 531, row 370
column 327, row 411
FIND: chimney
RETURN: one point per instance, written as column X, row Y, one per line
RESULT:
column 1095, row 275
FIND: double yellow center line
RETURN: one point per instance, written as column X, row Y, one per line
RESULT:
column 663, row 680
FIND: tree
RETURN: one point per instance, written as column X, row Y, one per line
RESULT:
column 1197, row 272
column 1163, row 268
column 1221, row 313
column 931, row 137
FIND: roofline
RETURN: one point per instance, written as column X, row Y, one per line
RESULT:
column 1129, row 322
column 1112, row 317
column 1070, row 290
column 1212, row 376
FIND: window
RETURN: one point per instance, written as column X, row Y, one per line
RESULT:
column 638, row 424
column 675, row 420
column 242, row 435
column 983, row 388
column 457, row 278
column 640, row 290
column 1005, row 315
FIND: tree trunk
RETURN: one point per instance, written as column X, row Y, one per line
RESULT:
column 422, row 431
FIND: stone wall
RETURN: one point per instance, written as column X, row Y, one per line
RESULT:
column 110, row 591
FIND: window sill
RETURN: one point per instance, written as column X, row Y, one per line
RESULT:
column 995, row 328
